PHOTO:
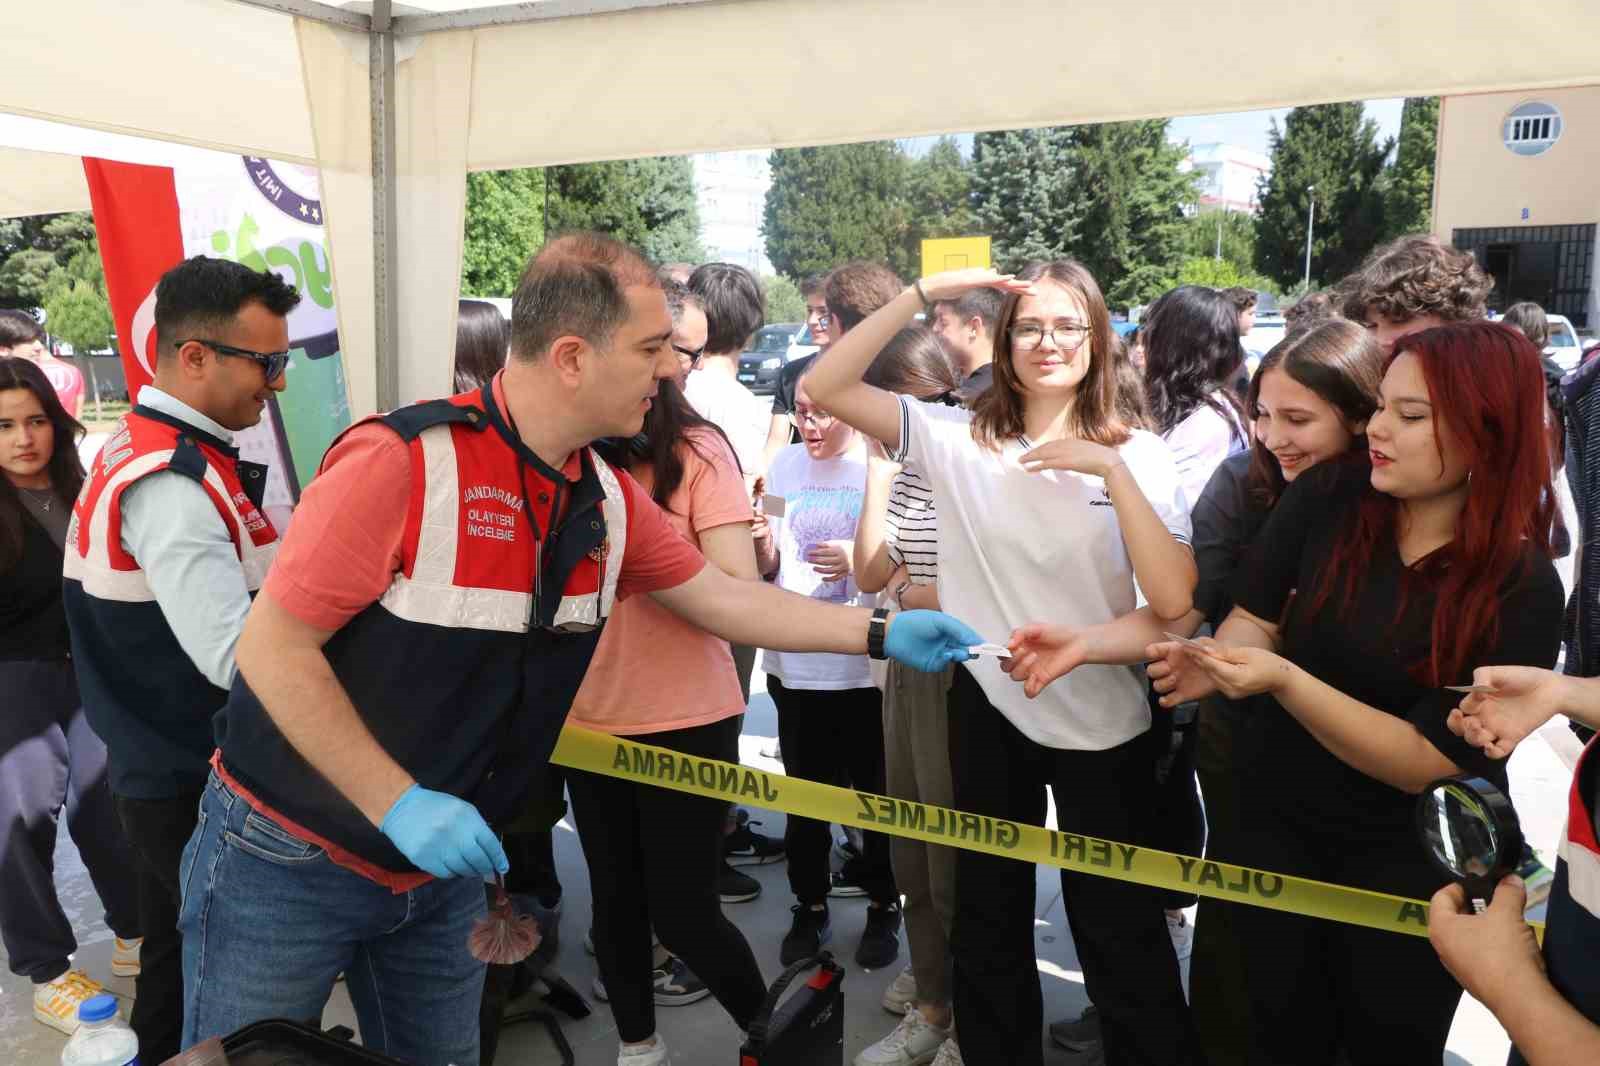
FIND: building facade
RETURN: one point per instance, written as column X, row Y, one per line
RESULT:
column 731, row 189
column 1517, row 183
column 1229, row 176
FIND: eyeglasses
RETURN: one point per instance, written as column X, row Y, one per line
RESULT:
column 690, row 355
column 823, row 319
column 1029, row 336
column 274, row 363
column 820, row 419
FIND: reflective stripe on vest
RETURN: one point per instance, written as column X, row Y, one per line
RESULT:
column 108, row 572
column 1579, row 847
column 430, row 594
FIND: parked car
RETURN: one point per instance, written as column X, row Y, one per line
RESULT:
column 1563, row 346
column 770, row 350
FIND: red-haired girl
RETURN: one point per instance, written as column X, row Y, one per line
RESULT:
column 1371, row 587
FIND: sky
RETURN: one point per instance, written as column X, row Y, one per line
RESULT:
column 1247, row 129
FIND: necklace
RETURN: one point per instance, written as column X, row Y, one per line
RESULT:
column 43, row 497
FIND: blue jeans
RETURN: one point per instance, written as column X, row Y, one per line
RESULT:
column 269, row 921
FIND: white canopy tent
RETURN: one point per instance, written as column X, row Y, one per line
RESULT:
column 395, row 105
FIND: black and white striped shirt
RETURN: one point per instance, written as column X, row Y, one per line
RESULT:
column 911, row 531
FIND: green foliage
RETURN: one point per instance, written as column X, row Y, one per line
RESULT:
column 27, row 276
column 1335, row 148
column 78, row 313
column 1220, row 274
column 1133, row 226
column 1408, row 190
column 648, row 203
column 835, row 203
column 505, row 226
column 784, row 302
column 1027, row 193
column 1238, row 237
column 939, row 195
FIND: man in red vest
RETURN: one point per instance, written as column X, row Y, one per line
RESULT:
column 408, row 666
column 166, row 546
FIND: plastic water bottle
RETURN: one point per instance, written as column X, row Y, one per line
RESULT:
column 102, row 1039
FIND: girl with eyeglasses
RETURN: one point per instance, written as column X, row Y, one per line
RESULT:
column 50, row 759
column 1048, row 503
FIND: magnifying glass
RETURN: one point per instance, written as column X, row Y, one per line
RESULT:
column 1470, row 831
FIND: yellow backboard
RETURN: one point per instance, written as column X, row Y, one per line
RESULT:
column 954, row 253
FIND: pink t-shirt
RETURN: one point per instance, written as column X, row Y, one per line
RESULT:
column 653, row 671
column 66, row 380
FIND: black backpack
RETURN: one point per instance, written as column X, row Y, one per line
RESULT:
column 808, row 1028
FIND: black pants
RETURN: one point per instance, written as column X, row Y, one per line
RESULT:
column 1178, row 821
column 159, row 830
column 835, row 737
column 1129, row 968
column 1217, row 994
column 1323, row 992
column 52, row 763
column 653, row 857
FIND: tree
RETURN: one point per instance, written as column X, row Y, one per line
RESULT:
column 1335, row 148
column 1408, row 192
column 939, row 195
column 1238, row 232
column 1027, row 194
column 32, row 249
column 504, row 227
column 835, row 203
column 784, row 301
column 1220, row 274
column 647, row 203
column 1133, row 226
column 78, row 313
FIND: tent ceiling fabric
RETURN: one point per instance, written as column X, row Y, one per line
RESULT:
column 38, row 183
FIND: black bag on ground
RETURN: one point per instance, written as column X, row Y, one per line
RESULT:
column 807, row 1029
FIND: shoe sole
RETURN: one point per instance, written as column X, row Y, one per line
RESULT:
column 60, row 1025
column 664, row 999
column 733, row 859
column 739, row 897
column 125, row 969
column 895, row 1006
column 847, row 892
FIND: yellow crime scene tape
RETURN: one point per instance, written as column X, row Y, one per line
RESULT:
column 602, row 753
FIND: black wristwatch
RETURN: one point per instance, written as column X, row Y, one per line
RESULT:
column 877, row 629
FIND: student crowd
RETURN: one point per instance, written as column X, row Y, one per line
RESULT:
column 311, row 748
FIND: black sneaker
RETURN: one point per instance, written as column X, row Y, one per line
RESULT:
column 1080, row 1033
column 744, row 847
column 807, row 933
column 845, row 884
column 735, row 887
column 880, row 940
column 676, row 985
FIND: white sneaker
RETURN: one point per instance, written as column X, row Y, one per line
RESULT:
column 653, row 1054
column 901, row 993
column 1182, row 932
column 949, row 1054
column 125, row 957
column 914, row 1042
column 56, row 1003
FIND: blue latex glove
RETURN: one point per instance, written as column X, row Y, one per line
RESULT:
column 443, row 835
column 926, row 640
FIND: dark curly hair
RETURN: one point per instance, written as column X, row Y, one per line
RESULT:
column 1312, row 309
column 1414, row 276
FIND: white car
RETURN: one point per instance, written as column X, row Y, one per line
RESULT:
column 1563, row 345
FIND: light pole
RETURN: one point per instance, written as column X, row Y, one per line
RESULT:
column 1220, row 216
column 1311, row 222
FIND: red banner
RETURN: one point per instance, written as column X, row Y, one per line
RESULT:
column 141, row 238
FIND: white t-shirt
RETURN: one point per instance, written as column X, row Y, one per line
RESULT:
column 735, row 410
column 822, row 501
column 1017, row 547
column 1200, row 443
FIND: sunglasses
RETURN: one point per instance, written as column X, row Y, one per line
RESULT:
column 690, row 355
column 274, row 363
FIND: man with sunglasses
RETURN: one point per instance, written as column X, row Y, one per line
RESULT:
column 166, row 547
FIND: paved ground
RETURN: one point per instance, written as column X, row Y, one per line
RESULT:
column 702, row 1033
